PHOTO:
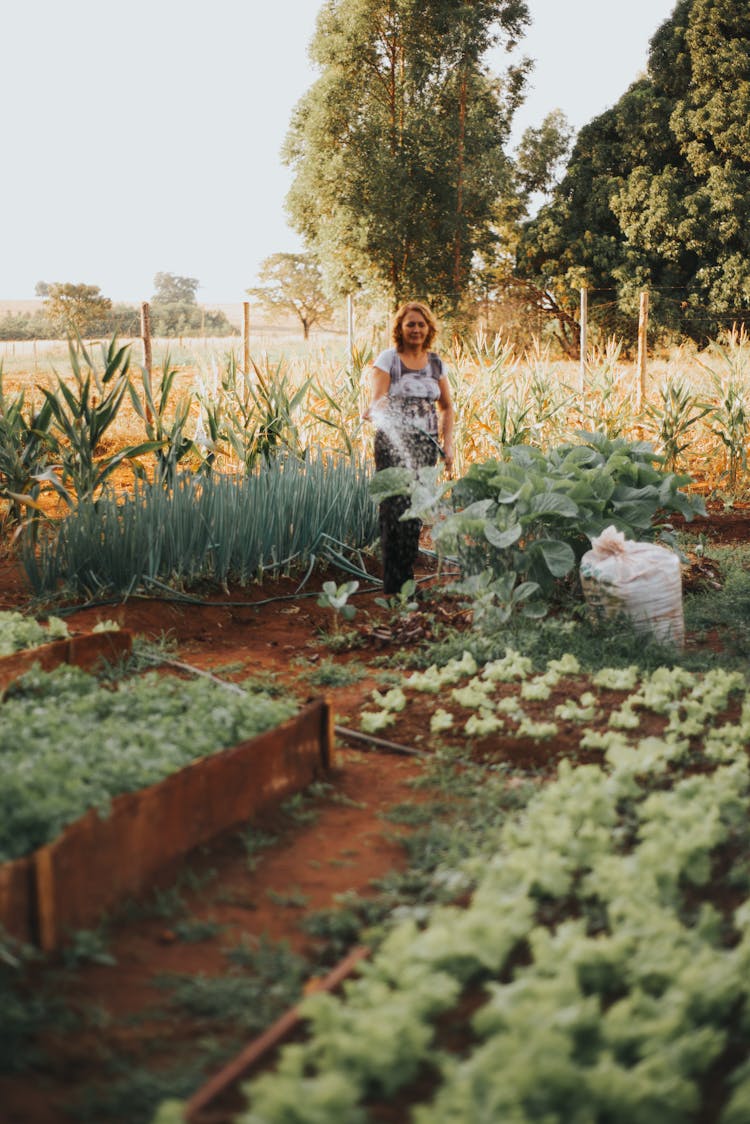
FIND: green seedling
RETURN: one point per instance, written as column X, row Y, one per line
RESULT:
column 336, row 598
column 401, row 602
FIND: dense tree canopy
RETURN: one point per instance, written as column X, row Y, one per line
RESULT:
column 657, row 190
column 397, row 149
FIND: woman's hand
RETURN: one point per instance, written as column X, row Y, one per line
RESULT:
column 448, row 455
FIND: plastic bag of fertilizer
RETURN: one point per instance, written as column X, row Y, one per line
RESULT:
column 640, row 579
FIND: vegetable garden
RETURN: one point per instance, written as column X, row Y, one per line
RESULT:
column 535, row 817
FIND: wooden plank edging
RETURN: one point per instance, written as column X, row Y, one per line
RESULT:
column 73, row 881
column 264, row 1044
column 84, row 651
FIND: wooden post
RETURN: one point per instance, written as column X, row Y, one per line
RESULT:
column 642, row 347
column 350, row 326
column 246, row 337
column 146, row 335
column 583, row 334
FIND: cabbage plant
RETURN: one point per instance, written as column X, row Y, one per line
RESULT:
column 525, row 520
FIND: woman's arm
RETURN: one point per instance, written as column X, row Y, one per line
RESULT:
column 380, row 382
column 447, row 417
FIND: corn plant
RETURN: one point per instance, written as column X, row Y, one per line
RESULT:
column 608, row 405
column 729, row 372
column 24, row 454
column 258, row 410
column 337, row 401
column 672, row 418
column 81, row 418
column 549, row 395
column 275, row 402
column 479, row 373
column 164, row 423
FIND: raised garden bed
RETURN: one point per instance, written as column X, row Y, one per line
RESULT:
column 87, row 652
column 71, row 882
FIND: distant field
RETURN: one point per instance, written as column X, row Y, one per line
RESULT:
column 15, row 308
column 272, row 337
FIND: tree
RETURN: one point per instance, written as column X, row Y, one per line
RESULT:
column 397, row 149
column 173, row 289
column 75, row 309
column 293, row 283
column 542, row 153
column 657, row 191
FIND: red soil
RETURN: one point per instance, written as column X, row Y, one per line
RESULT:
column 251, row 632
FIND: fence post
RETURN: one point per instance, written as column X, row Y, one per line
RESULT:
column 146, row 335
column 642, row 347
column 246, row 337
column 583, row 334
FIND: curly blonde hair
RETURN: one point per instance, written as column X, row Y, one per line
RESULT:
column 398, row 323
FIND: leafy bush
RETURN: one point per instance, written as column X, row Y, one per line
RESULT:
column 529, row 517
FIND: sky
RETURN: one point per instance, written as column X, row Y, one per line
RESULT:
column 145, row 137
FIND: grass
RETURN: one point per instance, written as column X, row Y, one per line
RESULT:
column 332, row 674
column 263, row 980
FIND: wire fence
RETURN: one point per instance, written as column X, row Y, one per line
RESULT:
column 672, row 311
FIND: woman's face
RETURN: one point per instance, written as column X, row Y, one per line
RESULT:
column 414, row 328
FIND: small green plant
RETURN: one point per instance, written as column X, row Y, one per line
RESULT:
column 254, row 841
column 336, row 598
column 194, row 930
column 401, row 602
column 87, row 946
column 298, row 808
column 494, row 601
column 331, row 674
column 288, row 899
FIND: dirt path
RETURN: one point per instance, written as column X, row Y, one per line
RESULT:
column 337, row 843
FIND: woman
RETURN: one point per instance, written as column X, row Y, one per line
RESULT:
column 408, row 384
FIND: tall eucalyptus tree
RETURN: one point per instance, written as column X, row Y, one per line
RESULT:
column 397, row 148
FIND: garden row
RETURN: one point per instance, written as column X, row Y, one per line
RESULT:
column 74, row 434
column 105, row 784
column 600, row 968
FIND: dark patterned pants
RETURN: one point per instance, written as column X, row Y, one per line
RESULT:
column 399, row 541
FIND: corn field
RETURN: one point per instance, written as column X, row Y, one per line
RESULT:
column 211, row 415
column 102, row 439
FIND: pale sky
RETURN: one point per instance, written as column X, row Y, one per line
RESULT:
column 145, row 137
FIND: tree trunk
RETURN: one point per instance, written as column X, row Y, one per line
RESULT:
column 460, row 156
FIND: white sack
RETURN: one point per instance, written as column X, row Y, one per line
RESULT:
column 640, row 579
